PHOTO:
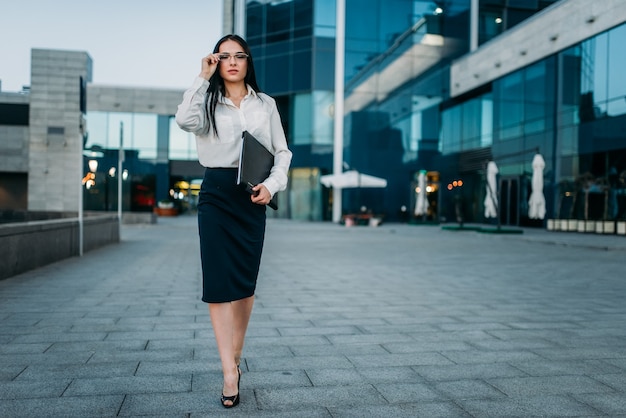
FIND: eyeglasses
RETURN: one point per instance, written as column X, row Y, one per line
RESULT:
column 239, row 56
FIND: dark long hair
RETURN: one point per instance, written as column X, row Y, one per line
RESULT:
column 216, row 82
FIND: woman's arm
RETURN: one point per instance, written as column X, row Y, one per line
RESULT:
column 191, row 113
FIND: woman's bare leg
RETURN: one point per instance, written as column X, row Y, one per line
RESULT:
column 242, row 309
column 222, row 320
column 230, row 322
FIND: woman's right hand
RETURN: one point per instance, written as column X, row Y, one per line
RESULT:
column 209, row 65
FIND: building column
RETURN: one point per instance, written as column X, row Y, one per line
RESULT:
column 56, row 125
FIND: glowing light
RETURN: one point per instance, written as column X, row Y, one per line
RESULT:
column 449, row 186
column 438, row 11
column 429, row 189
column 460, row 183
column 93, row 165
column 498, row 20
column 418, row 189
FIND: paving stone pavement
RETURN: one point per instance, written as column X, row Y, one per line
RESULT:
column 394, row 321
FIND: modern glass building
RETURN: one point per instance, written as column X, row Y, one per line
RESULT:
column 443, row 87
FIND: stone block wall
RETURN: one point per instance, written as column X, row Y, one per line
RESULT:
column 56, row 128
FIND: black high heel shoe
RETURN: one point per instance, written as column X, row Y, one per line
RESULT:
column 235, row 398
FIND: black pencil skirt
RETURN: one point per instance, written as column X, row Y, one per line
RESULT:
column 232, row 231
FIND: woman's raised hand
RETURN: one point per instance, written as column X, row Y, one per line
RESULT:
column 209, row 65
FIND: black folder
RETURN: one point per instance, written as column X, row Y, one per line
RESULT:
column 255, row 163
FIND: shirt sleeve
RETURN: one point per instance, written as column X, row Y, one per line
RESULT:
column 191, row 113
column 277, row 181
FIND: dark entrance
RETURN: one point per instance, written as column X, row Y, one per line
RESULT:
column 509, row 201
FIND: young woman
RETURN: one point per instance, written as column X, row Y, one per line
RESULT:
column 224, row 101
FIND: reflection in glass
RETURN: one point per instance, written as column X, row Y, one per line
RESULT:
column 139, row 131
column 302, row 118
column 324, row 18
column 594, row 69
column 182, row 144
column 323, row 123
column 616, row 71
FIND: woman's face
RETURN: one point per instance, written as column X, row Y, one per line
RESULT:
column 233, row 61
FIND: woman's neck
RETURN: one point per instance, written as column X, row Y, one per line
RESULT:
column 235, row 90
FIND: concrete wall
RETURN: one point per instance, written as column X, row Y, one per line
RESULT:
column 554, row 29
column 56, row 129
column 135, row 100
column 29, row 245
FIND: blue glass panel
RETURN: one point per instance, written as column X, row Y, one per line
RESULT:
column 303, row 16
column 323, row 124
column 255, row 23
column 301, row 73
column 279, row 17
column 616, row 71
column 535, row 97
column 302, row 119
column 451, row 130
column 470, row 133
column 182, row 145
column 510, row 106
column 594, row 69
column 278, row 74
column 486, row 125
column 323, row 79
column 144, row 135
column 325, row 17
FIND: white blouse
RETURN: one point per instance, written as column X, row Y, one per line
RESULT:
column 257, row 114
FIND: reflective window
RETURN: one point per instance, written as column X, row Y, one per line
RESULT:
column 182, row 144
column 278, row 19
column 451, row 130
column 301, row 74
column 144, row 135
column 313, row 118
column 473, row 125
column 138, row 131
column 278, row 74
column 470, row 124
column 325, row 17
column 486, row 125
column 535, row 98
column 616, row 70
column 323, row 123
column 570, row 81
column 508, row 93
column 593, row 73
column 302, row 119
column 302, row 19
column 254, row 24
column 490, row 25
column 323, row 79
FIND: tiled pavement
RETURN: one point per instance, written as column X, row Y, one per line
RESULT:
column 395, row 321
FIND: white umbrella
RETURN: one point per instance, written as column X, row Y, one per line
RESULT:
column 491, row 199
column 352, row 179
column 421, row 204
column 537, row 202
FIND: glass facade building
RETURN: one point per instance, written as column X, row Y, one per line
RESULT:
column 570, row 107
column 400, row 118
